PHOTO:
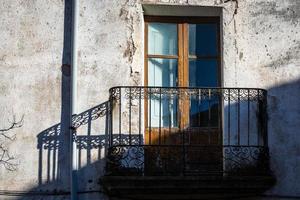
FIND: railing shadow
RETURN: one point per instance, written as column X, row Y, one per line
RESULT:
column 49, row 145
column 91, row 143
column 92, row 147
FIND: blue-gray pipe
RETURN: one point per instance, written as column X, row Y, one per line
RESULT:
column 73, row 110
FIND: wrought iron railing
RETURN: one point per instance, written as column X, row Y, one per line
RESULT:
column 187, row 131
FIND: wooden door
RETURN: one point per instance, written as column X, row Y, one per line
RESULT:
column 183, row 53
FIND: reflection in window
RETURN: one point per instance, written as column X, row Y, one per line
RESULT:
column 163, row 110
column 162, row 39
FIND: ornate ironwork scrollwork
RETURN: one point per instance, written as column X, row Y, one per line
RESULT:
column 187, row 160
column 228, row 94
column 125, row 159
column 246, row 159
column 89, row 115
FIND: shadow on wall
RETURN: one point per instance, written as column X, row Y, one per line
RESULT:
column 89, row 148
column 53, row 174
column 53, row 143
column 284, row 137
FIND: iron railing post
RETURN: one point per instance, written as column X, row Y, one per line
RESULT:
column 111, row 120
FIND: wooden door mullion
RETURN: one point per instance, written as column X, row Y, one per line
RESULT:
column 181, row 80
column 185, row 75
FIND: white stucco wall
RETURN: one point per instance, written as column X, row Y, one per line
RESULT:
column 260, row 49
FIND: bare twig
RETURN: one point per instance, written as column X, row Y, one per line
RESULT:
column 7, row 160
column 13, row 124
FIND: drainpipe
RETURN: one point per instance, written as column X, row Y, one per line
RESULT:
column 73, row 110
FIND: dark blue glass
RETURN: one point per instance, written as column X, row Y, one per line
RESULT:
column 203, row 73
column 203, row 112
column 203, row 39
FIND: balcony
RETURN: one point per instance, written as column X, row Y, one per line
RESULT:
column 181, row 141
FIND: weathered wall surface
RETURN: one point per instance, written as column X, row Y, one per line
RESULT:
column 31, row 80
column 260, row 49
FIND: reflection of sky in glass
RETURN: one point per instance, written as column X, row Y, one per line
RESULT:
column 203, row 39
column 162, row 39
column 163, row 73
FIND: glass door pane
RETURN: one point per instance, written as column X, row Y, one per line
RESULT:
column 162, row 72
column 162, row 39
column 203, row 72
column 203, row 39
